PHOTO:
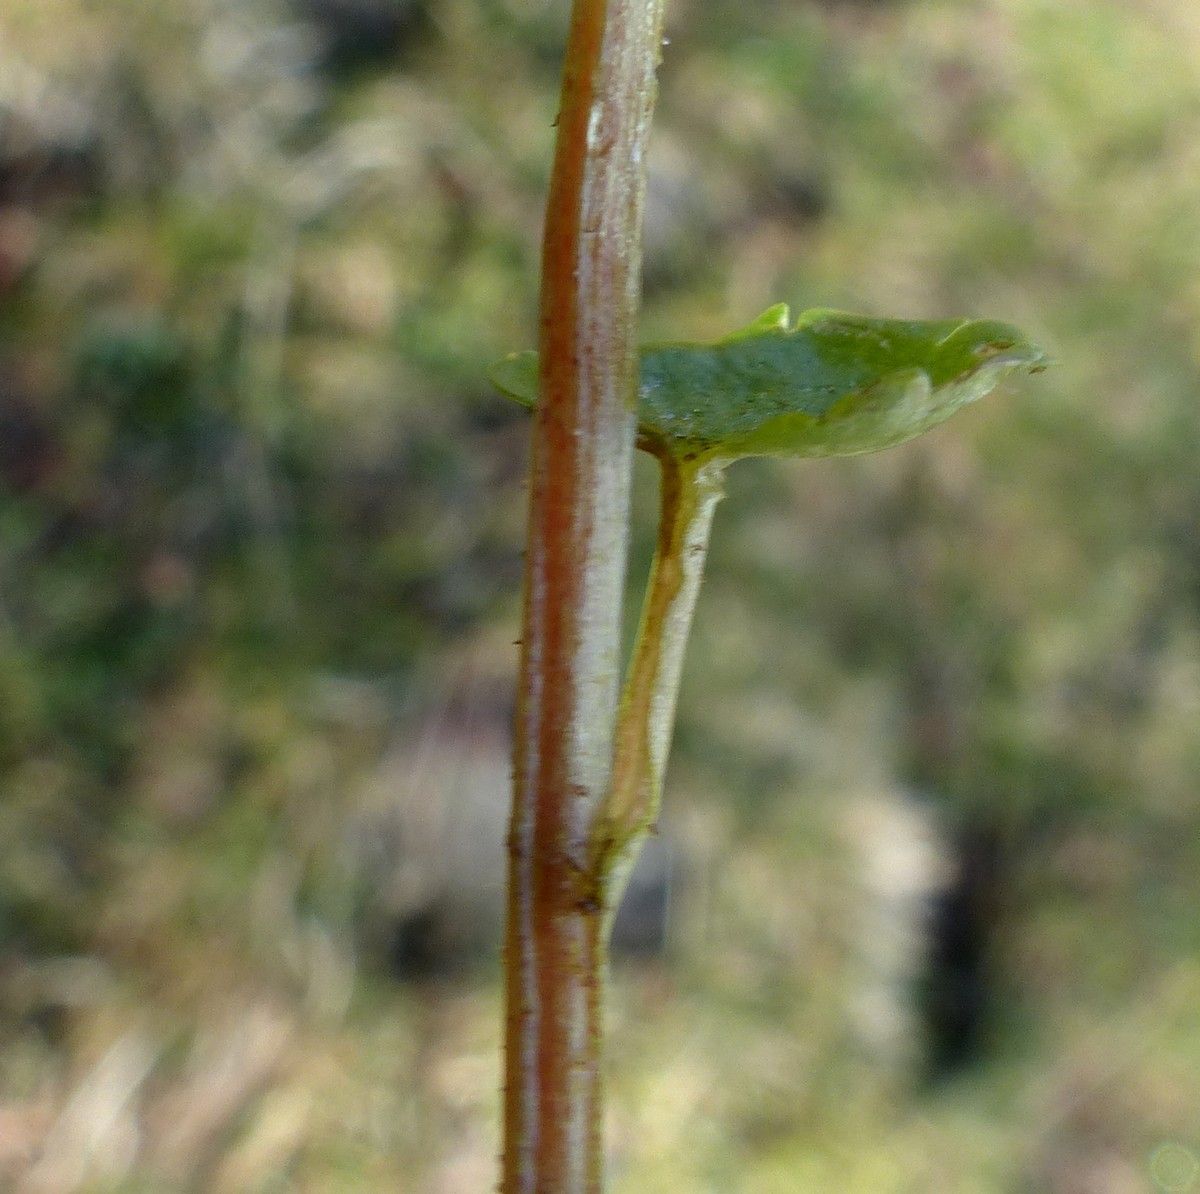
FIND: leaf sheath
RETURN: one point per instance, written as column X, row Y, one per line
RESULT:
column 690, row 492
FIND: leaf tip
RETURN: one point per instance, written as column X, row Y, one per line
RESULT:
column 774, row 319
column 999, row 345
column 516, row 377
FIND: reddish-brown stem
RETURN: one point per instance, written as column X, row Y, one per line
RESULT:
column 575, row 571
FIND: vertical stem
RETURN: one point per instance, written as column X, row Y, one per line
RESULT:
column 575, row 570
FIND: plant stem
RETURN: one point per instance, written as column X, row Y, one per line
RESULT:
column 689, row 494
column 575, row 570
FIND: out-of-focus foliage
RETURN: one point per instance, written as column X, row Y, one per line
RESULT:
column 936, row 791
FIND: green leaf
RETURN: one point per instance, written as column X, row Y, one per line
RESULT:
column 833, row 385
column 516, row 377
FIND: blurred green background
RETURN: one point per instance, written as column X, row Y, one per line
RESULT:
column 924, row 917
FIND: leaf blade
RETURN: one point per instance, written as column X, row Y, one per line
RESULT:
column 834, row 384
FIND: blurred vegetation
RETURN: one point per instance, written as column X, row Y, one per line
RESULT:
column 936, row 796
